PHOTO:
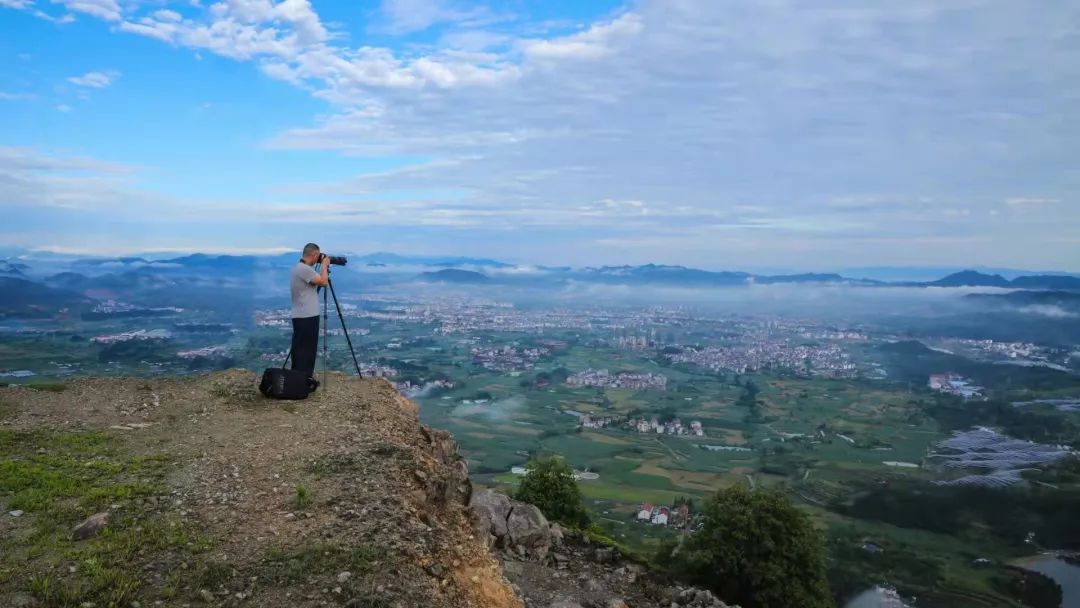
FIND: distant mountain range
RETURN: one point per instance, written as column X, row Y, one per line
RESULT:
column 124, row 275
column 27, row 298
column 454, row 275
column 971, row 278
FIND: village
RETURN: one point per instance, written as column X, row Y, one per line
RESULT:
column 602, row 378
column 676, row 516
column 954, row 384
column 826, row 360
column 507, row 358
column 642, row 425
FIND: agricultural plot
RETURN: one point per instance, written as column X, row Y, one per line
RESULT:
column 1003, row 458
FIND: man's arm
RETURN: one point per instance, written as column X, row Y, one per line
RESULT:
column 321, row 280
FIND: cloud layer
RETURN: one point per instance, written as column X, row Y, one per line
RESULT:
column 678, row 130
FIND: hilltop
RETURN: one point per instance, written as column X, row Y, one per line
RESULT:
column 216, row 496
column 197, row 491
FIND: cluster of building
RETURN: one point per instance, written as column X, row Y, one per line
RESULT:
column 954, row 384
column 410, row 390
column 819, row 360
column 605, row 379
column 457, row 315
column 377, row 370
column 208, row 352
column 585, row 475
column 1019, row 353
column 674, row 426
column 633, row 342
column 507, row 358
column 664, row 516
column 112, row 307
column 273, row 318
column 138, row 334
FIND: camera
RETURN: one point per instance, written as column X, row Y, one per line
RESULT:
column 334, row 260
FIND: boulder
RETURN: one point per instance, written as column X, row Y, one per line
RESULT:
column 528, row 530
column 490, row 511
column 557, row 535
column 564, row 602
column 91, row 527
column 589, row 583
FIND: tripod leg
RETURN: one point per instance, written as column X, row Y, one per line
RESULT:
column 325, row 342
column 344, row 329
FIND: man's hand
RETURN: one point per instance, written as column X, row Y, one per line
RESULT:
column 323, row 279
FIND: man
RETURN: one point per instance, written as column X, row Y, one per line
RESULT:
column 305, row 283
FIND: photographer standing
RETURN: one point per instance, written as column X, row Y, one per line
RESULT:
column 304, row 283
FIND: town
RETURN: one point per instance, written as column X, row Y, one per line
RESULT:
column 826, row 360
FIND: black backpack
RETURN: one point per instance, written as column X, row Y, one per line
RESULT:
column 281, row 383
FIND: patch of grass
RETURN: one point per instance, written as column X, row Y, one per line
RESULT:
column 334, row 464
column 51, row 387
column 211, row 575
column 41, row 471
column 304, row 497
column 61, row 478
column 286, row 567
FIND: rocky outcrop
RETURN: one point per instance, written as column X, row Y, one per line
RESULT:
column 513, row 525
column 551, row 567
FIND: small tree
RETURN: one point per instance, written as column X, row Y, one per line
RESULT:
column 549, row 484
column 758, row 550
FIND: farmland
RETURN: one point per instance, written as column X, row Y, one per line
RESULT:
column 860, row 443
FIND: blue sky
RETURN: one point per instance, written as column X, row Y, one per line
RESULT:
column 718, row 134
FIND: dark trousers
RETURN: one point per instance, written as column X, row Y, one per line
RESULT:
column 305, row 344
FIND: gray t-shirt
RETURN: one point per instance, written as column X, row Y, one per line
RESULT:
column 305, row 298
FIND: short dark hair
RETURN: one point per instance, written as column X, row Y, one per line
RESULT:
column 310, row 248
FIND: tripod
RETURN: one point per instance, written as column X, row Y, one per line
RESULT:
column 325, row 326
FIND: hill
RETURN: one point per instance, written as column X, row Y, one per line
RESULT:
column 27, row 298
column 972, row 278
column 198, row 491
column 453, row 275
column 215, row 496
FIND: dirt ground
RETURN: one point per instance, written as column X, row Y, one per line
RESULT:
column 343, row 499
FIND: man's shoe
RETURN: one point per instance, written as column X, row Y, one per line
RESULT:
column 312, row 385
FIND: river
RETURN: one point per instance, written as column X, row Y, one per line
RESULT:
column 877, row 597
column 1063, row 573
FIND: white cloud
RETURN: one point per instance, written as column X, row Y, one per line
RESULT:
column 63, row 108
column 15, row 96
column 96, row 80
column 596, row 42
column 167, row 15
column 816, row 127
column 405, row 16
column 1031, row 201
column 108, row 10
column 32, row 178
column 16, row 4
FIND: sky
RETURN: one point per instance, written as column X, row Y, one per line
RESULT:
column 711, row 133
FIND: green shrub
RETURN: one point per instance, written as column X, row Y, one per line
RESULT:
column 549, row 484
column 755, row 549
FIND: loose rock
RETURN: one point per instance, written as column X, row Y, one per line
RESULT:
column 91, row 527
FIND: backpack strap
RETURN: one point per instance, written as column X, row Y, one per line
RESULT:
column 286, row 361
